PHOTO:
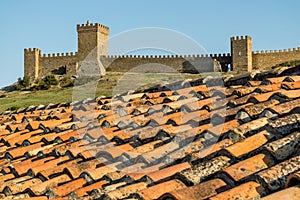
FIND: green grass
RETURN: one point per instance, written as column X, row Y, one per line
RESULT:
column 110, row 84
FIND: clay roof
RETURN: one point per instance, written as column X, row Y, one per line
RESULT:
column 238, row 140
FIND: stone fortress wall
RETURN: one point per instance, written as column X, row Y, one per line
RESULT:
column 269, row 58
column 95, row 37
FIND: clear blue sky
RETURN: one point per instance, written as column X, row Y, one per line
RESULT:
column 51, row 25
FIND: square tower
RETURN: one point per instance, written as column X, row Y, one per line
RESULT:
column 241, row 52
column 91, row 36
column 32, row 63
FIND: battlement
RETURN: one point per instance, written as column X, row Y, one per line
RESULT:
column 28, row 50
column 58, row 55
column 289, row 50
column 168, row 56
column 92, row 27
column 235, row 38
column 92, row 35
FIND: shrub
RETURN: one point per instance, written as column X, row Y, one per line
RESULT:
column 23, row 83
column 67, row 82
column 13, row 108
column 50, row 80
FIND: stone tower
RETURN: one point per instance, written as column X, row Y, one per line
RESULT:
column 241, row 52
column 91, row 36
column 32, row 62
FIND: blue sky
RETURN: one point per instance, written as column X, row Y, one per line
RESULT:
column 51, row 25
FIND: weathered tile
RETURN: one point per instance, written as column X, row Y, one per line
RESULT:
column 245, row 168
column 246, row 191
column 154, row 192
column 200, row 171
column 201, row 191
column 282, row 148
column 292, row 193
column 275, row 177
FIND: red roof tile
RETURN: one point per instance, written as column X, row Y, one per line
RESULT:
column 201, row 191
column 292, row 193
column 167, row 144
column 156, row 191
column 246, row 191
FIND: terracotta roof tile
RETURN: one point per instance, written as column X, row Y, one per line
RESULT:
column 23, row 167
column 21, row 186
column 213, row 139
column 91, row 174
column 291, row 85
column 268, row 88
column 249, row 190
column 124, row 192
column 249, row 166
column 84, row 190
column 284, row 125
column 292, row 193
column 167, row 172
column 259, row 98
column 51, row 172
column 248, row 128
column 50, row 164
column 286, row 107
column 15, row 181
column 154, row 192
column 67, row 188
column 18, row 152
column 293, row 180
column 276, row 79
column 249, row 144
column 212, row 149
column 200, row 171
column 275, row 177
column 42, row 188
column 201, row 191
column 283, row 148
column 248, row 112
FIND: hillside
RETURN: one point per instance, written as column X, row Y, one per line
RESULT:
column 18, row 99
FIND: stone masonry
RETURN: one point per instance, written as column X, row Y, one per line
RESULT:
column 94, row 38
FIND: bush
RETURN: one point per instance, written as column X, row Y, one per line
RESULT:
column 13, row 108
column 23, row 83
column 45, row 83
column 50, row 80
column 67, row 82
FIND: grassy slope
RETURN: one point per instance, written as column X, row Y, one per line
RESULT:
column 110, row 84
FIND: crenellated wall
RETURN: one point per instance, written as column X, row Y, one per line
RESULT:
column 94, row 38
column 269, row 58
column 58, row 63
column 186, row 63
